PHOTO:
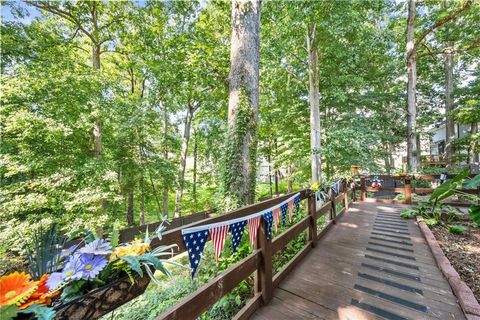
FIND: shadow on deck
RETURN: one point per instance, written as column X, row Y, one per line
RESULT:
column 371, row 265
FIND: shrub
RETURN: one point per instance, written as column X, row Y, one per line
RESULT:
column 456, row 229
column 431, row 221
column 408, row 213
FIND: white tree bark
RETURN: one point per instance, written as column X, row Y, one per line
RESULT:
column 450, row 123
column 412, row 156
column 314, row 100
column 183, row 159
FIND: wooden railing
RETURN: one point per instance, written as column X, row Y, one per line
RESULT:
column 407, row 189
column 260, row 261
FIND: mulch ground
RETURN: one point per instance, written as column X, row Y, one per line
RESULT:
column 463, row 251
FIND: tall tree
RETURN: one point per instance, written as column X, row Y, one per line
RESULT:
column 239, row 171
column 314, row 100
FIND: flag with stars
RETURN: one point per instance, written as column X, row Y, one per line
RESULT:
column 195, row 242
column 290, row 210
column 284, row 209
column 236, row 229
column 268, row 217
column 296, row 202
column 218, row 236
column 276, row 218
column 253, row 225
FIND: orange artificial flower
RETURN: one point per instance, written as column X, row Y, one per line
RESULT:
column 42, row 295
column 16, row 288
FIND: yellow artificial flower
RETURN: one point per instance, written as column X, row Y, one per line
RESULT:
column 315, row 186
column 135, row 248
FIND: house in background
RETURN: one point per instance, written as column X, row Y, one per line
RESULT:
column 433, row 147
column 438, row 141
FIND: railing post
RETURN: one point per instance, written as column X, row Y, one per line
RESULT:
column 345, row 191
column 264, row 274
column 363, row 190
column 333, row 210
column 408, row 191
column 312, row 228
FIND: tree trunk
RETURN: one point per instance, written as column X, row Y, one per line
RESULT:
column 411, row 89
column 130, row 211
column 142, row 200
column 290, row 182
column 195, row 154
column 239, row 172
column 390, row 155
column 183, row 160
column 314, row 100
column 165, row 156
column 419, row 148
column 474, row 145
column 450, row 123
column 270, row 172
column 97, row 124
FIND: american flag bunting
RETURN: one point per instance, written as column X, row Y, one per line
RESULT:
column 284, row 209
column 253, row 225
column 268, row 217
column 218, row 236
column 195, row 242
column 276, row 218
column 236, row 230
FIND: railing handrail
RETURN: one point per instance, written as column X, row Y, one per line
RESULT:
column 407, row 189
column 260, row 260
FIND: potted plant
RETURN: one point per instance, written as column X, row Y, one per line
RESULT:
column 90, row 279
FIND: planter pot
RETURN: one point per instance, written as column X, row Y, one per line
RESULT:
column 103, row 300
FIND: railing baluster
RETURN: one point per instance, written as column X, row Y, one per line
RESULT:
column 408, row 191
column 312, row 229
column 363, row 191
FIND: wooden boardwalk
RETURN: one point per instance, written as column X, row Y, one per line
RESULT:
column 370, row 265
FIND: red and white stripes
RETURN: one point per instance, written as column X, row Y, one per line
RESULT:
column 253, row 225
column 218, row 236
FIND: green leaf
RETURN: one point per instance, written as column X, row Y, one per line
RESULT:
column 148, row 257
column 134, row 263
column 8, row 312
column 474, row 213
column 73, row 291
column 115, row 237
column 40, row 311
column 473, row 183
column 456, row 229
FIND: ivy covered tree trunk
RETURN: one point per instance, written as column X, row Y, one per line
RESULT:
column 314, row 100
column 412, row 156
column 165, row 157
column 239, row 163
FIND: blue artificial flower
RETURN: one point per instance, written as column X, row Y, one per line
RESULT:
column 91, row 265
column 55, row 280
column 69, row 251
column 97, row 247
column 71, row 271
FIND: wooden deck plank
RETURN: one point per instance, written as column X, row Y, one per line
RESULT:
column 366, row 269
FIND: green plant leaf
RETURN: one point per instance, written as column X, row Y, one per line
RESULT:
column 73, row 291
column 134, row 263
column 456, row 229
column 8, row 312
column 474, row 213
column 41, row 312
column 148, row 257
column 472, row 183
